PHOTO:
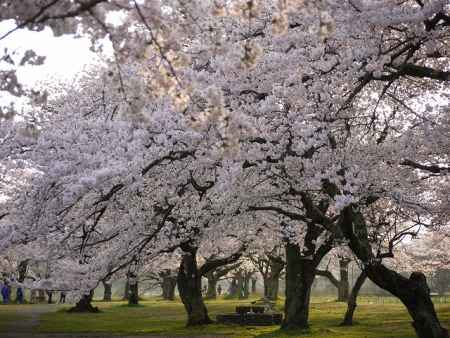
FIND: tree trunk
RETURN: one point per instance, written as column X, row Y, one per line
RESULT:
column 300, row 273
column 415, row 295
column 413, row 291
column 22, row 271
column 211, row 292
column 41, row 296
column 126, row 291
column 84, row 305
column 254, row 280
column 271, row 287
column 344, row 285
column 246, row 286
column 441, row 281
column 189, row 283
column 233, row 289
column 271, row 277
column 168, row 287
column 351, row 305
column 133, row 290
column 240, row 285
column 107, row 295
column 33, row 297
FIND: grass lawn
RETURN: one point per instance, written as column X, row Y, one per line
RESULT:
column 375, row 318
column 8, row 314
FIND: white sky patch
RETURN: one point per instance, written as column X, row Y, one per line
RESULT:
column 66, row 56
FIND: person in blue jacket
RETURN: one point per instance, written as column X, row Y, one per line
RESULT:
column 5, row 293
column 19, row 295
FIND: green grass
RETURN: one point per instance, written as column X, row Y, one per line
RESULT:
column 8, row 314
column 376, row 318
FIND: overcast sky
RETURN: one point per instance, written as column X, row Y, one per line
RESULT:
column 65, row 55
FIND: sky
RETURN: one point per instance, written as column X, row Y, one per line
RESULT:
column 65, row 56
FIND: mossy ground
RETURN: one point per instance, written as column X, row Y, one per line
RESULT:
column 375, row 317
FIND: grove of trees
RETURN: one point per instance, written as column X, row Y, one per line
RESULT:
column 245, row 135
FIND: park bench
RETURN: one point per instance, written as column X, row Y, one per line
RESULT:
column 251, row 315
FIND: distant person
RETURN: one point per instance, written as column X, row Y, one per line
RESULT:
column 5, row 293
column 62, row 297
column 50, row 296
column 219, row 290
column 19, row 295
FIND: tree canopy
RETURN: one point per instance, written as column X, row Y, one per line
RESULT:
column 229, row 127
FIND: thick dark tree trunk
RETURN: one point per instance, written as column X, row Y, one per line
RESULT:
column 107, row 294
column 351, row 305
column 413, row 291
column 300, row 273
column 168, row 287
column 211, row 292
column 415, row 295
column 84, row 305
column 189, row 282
column 22, row 271
column 344, row 285
column 133, row 290
column 271, row 287
column 254, row 280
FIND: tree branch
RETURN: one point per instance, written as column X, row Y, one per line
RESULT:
column 210, row 265
column 329, row 275
column 435, row 169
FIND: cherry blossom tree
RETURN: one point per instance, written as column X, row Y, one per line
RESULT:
column 292, row 116
column 339, row 260
column 270, row 265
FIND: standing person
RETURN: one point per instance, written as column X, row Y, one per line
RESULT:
column 5, row 293
column 62, row 297
column 50, row 296
column 219, row 289
column 19, row 295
